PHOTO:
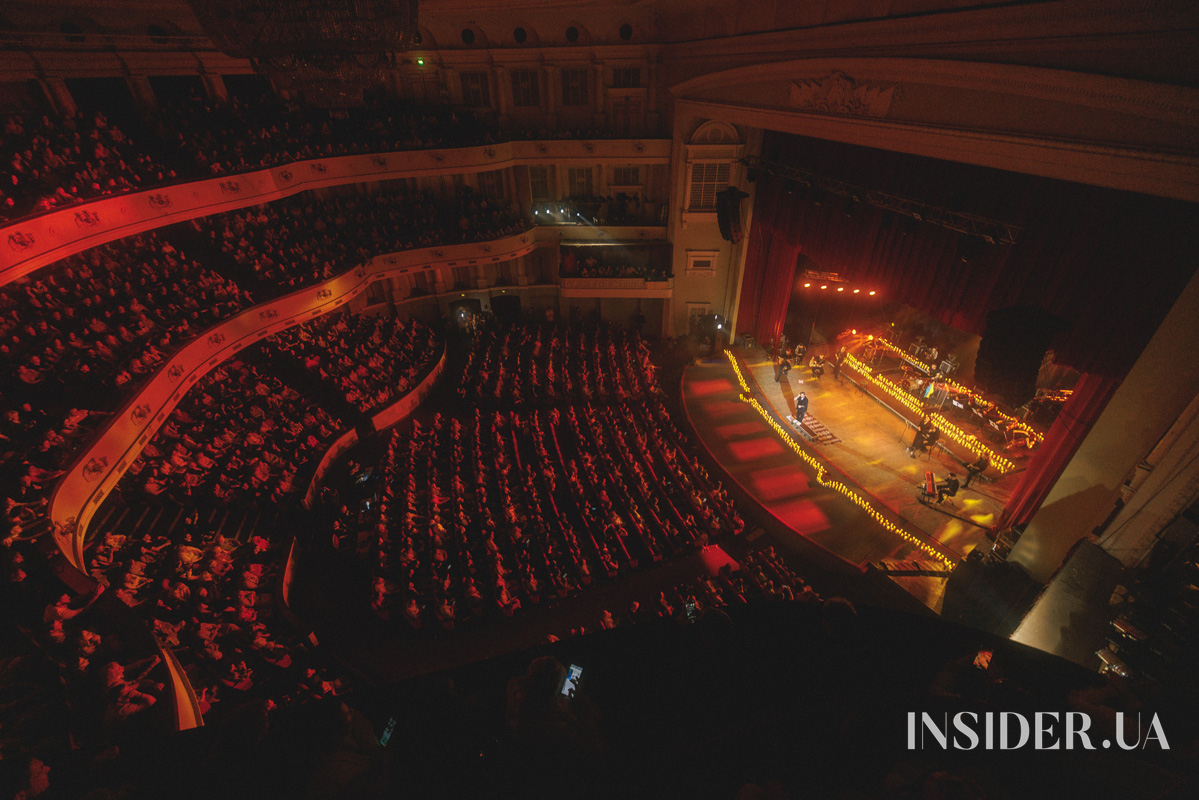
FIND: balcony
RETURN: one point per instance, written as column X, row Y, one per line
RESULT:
column 37, row 241
column 615, row 287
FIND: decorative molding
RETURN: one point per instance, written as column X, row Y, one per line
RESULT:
column 715, row 132
column 837, row 93
column 1149, row 171
column 702, row 263
column 42, row 239
column 21, row 241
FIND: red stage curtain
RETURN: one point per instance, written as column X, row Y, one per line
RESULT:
column 1061, row 443
column 770, row 261
column 1110, row 263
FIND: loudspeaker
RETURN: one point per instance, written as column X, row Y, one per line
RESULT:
column 728, row 213
column 987, row 594
column 1013, row 345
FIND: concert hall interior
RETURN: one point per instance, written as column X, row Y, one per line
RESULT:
column 521, row 398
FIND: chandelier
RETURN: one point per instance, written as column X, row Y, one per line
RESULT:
column 330, row 50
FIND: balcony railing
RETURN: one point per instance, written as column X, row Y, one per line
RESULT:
column 34, row 242
column 615, row 287
column 97, row 470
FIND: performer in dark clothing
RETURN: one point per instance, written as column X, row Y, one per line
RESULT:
column 976, row 469
column 817, row 366
column 838, row 360
column 925, row 441
column 947, row 489
column 783, row 367
column 922, row 433
column 801, row 406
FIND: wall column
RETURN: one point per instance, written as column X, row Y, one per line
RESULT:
column 142, row 91
column 451, row 84
column 549, row 102
column 60, row 96
column 499, row 99
column 651, row 96
column 214, row 85
column 598, row 95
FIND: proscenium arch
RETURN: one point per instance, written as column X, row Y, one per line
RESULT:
column 1092, row 129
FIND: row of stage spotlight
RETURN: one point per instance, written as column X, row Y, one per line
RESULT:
column 810, row 284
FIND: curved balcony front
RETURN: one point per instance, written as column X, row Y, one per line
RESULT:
column 37, row 241
column 96, row 471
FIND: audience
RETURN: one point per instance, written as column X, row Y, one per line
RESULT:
column 492, row 512
column 61, row 161
column 608, row 262
column 240, row 436
column 369, row 360
column 284, row 245
column 57, row 162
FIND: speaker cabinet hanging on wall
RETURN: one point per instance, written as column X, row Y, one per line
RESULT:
column 728, row 213
column 1013, row 346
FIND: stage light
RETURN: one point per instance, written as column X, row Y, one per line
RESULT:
column 840, row 288
column 535, row 211
column 855, row 291
column 854, row 331
column 562, row 211
column 420, row 62
column 870, row 337
column 806, row 285
column 824, row 287
column 719, row 326
column 872, row 294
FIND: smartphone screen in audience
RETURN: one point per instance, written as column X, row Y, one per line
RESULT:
column 572, row 680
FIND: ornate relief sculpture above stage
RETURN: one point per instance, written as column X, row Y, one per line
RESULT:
column 1092, row 129
column 37, row 241
column 98, row 469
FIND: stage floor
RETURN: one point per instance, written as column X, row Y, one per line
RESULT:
column 870, row 453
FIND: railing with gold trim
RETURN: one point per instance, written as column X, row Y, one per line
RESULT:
column 615, row 287
column 97, row 470
column 30, row 243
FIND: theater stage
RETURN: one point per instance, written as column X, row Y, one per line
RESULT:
column 870, row 454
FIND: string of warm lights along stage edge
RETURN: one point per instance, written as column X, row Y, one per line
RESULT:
column 821, row 472
column 1036, row 435
column 946, row 427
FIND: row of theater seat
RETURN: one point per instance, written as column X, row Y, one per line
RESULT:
column 499, row 509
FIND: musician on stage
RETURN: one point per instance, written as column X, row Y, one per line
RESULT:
column 838, row 360
column 817, row 366
column 976, row 469
column 926, row 426
column 947, row 489
column 801, row 407
column 926, row 439
column 782, row 368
